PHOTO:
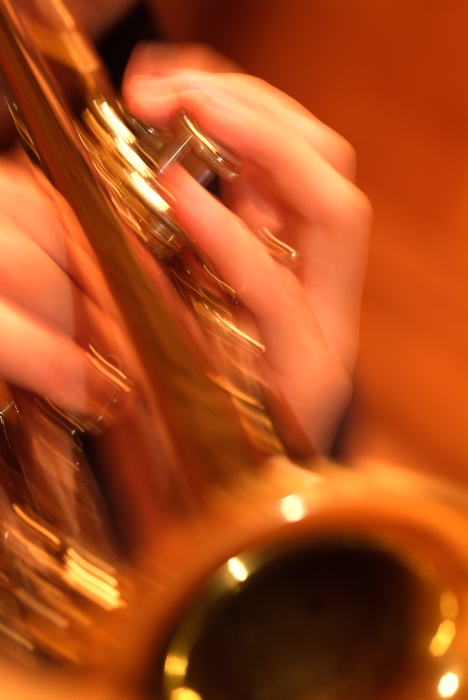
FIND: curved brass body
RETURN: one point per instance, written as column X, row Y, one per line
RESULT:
column 223, row 571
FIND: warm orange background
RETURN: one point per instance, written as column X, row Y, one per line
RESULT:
column 392, row 77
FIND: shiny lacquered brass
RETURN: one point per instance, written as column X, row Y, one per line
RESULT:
column 351, row 585
column 170, row 548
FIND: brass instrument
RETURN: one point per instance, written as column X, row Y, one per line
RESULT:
column 213, row 567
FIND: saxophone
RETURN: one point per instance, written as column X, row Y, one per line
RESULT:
column 178, row 549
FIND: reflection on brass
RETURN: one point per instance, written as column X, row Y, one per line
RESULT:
column 119, row 386
column 449, row 604
column 443, row 638
column 224, row 164
column 57, row 580
column 69, row 47
column 448, row 685
column 277, row 248
column 272, row 612
column 178, row 554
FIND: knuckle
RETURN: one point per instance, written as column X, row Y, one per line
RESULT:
column 337, row 150
column 340, row 153
column 363, row 208
column 347, row 158
column 355, row 211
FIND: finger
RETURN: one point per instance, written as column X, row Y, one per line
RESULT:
column 31, row 279
column 266, row 141
column 266, row 99
column 55, row 308
column 48, row 363
column 39, row 219
column 272, row 292
column 159, row 96
column 265, row 286
column 302, row 366
column 50, row 226
column 331, row 215
column 251, row 198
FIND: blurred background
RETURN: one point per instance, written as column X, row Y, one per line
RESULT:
column 392, row 77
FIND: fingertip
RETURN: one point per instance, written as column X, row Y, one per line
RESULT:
column 159, row 97
column 149, row 100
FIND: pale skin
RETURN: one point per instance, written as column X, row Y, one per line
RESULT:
column 297, row 180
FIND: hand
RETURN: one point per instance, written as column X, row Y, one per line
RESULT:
column 297, row 181
column 48, row 309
